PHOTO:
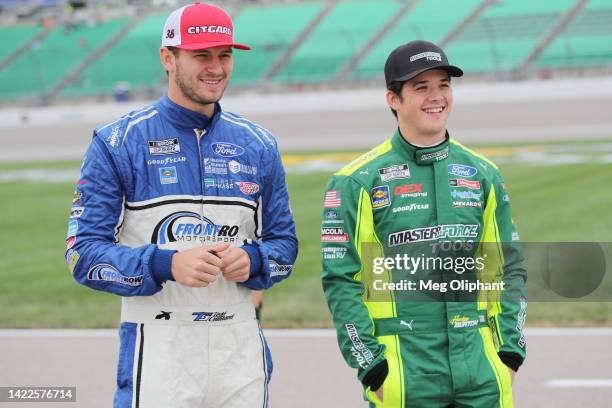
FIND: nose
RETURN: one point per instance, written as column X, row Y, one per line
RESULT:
column 214, row 65
column 435, row 95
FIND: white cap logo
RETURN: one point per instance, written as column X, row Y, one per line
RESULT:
column 431, row 56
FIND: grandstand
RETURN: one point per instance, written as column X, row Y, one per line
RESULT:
column 45, row 63
column 585, row 42
column 504, row 34
column 133, row 60
column 430, row 20
column 270, row 30
column 339, row 36
column 16, row 37
column 342, row 43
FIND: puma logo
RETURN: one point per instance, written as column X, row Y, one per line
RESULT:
column 404, row 323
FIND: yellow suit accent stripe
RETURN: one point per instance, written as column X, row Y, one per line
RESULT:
column 453, row 141
column 502, row 375
column 365, row 158
column 492, row 251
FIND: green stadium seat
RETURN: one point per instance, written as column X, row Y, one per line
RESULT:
column 430, row 20
column 269, row 30
column 585, row 42
column 134, row 60
column 14, row 37
column 341, row 35
column 502, row 37
column 35, row 72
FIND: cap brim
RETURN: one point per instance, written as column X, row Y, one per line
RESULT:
column 451, row 69
column 203, row 46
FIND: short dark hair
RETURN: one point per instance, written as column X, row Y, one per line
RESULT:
column 396, row 88
column 175, row 51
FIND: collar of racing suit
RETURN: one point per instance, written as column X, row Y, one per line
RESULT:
column 420, row 155
column 183, row 118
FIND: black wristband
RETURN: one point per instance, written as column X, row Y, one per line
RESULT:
column 376, row 376
column 512, row 360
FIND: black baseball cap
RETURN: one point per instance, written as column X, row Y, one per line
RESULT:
column 411, row 59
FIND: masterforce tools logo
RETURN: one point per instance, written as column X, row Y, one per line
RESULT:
column 108, row 273
column 187, row 226
column 361, row 353
column 209, row 29
column 433, row 233
column 430, row 56
column 437, row 156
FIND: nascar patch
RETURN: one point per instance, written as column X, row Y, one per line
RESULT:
column 398, row 171
column 163, row 147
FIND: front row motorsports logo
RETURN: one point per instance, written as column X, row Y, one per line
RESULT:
column 188, row 226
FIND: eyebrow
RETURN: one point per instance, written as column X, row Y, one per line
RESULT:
column 228, row 51
column 426, row 82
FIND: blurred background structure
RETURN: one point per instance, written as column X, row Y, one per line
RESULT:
column 59, row 51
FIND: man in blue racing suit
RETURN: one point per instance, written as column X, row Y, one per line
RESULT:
column 182, row 208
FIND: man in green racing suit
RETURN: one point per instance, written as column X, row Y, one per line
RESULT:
column 431, row 342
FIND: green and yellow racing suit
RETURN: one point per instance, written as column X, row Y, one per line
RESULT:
column 428, row 345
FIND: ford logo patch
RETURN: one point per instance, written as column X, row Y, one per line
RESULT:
column 225, row 149
column 461, row 170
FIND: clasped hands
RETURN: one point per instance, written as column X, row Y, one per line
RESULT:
column 199, row 267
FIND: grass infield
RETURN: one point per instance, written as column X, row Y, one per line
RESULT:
column 551, row 203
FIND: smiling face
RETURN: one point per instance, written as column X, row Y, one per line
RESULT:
column 423, row 106
column 197, row 79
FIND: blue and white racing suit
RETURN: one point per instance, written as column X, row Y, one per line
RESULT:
column 166, row 179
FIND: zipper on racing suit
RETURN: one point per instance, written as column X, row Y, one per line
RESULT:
column 199, row 134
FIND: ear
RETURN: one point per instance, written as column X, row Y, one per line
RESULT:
column 167, row 59
column 392, row 99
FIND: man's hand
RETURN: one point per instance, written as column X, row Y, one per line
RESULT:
column 236, row 264
column 379, row 393
column 198, row 267
column 512, row 374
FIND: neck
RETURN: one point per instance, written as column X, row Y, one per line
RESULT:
column 420, row 139
column 177, row 97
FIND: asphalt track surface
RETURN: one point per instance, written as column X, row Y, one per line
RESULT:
column 566, row 368
column 483, row 113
